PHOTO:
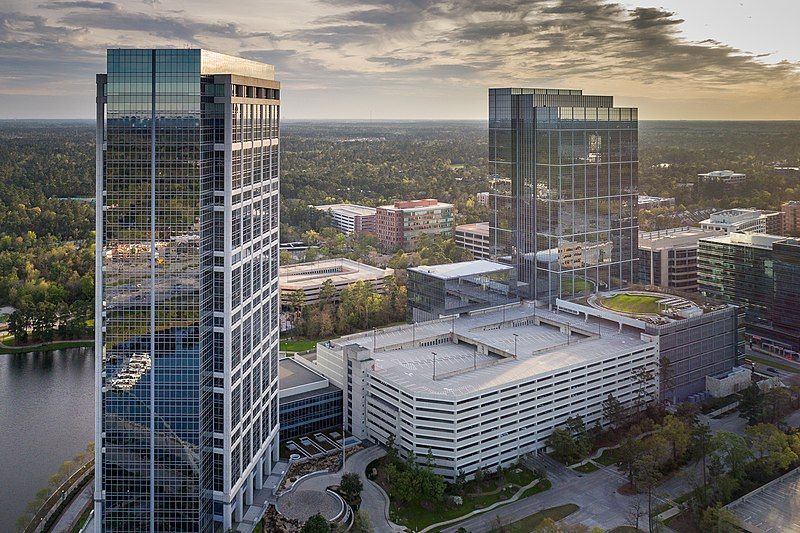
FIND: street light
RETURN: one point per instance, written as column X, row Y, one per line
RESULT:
column 516, row 336
column 434, row 366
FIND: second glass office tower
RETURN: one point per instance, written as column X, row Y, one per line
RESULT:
column 186, row 289
column 565, row 189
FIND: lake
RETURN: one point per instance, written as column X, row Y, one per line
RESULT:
column 46, row 417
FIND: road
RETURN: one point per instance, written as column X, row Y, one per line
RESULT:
column 596, row 493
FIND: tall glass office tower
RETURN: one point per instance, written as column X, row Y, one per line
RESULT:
column 565, row 189
column 186, row 289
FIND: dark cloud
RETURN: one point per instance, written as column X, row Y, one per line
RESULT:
column 82, row 4
column 398, row 45
column 164, row 25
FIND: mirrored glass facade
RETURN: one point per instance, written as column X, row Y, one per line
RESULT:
column 564, row 201
column 167, row 426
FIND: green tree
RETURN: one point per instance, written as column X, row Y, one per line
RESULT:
column 719, row 520
column 678, row 434
column 751, row 404
column 646, row 475
column 327, row 292
column 666, row 373
column 613, row 411
column 362, row 523
column 701, row 447
column 565, row 449
column 733, row 452
column 351, row 486
column 316, row 524
column 630, row 450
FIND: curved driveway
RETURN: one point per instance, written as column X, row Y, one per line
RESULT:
column 373, row 499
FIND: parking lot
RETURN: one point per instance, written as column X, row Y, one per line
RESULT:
column 774, row 507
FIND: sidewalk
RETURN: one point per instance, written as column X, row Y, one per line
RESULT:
column 72, row 513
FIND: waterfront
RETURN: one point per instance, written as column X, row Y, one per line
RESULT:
column 46, row 417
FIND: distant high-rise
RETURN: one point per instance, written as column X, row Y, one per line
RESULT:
column 566, row 187
column 187, row 288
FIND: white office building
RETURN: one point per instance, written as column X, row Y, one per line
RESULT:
column 726, row 177
column 475, row 238
column 351, row 218
column 739, row 220
column 483, row 389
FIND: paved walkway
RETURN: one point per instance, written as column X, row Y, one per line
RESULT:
column 262, row 498
column 72, row 513
column 373, row 499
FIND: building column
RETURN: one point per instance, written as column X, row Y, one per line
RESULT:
column 227, row 517
column 248, row 489
column 260, row 474
column 239, row 511
column 268, row 462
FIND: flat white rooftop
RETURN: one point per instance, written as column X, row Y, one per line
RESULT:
column 755, row 240
column 481, row 228
column 674, row 237
column 464, row 268
column 483, row 357
column 349, row 209
column 342, row 270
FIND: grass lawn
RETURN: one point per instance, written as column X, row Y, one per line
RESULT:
column 82, row 521
column 588, row 468
column 542, row 486
column 296, row 345
column 774, row 364
column 529, row 523
column 608, row 457
column 633, row 303
column 578, row 285
column 8, row 345
column 477, row 495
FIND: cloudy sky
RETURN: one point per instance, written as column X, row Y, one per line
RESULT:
column 426, row 59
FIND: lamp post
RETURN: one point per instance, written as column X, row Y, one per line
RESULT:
column 516, row 336
column 434, row 366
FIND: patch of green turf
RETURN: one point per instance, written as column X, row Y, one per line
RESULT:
column 773, row 364
column 46, row 347
column 633, row 303
column 588, row 468
column 608, row 457
column 542, row 486
column 297, row 345
column 530, row 523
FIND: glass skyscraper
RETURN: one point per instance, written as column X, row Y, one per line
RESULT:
column 564, row 200
column 186, row 289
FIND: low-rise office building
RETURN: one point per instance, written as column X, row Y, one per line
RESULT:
column 695, row 337
column 725, row 177
column 668, row 258
column 760, row 273
column 475, row 238
column 752, row 220
column 455, row 288
column 308, row 401
column 309, row 278
column 399, row 225
column 482, row 390
column 351, row 218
